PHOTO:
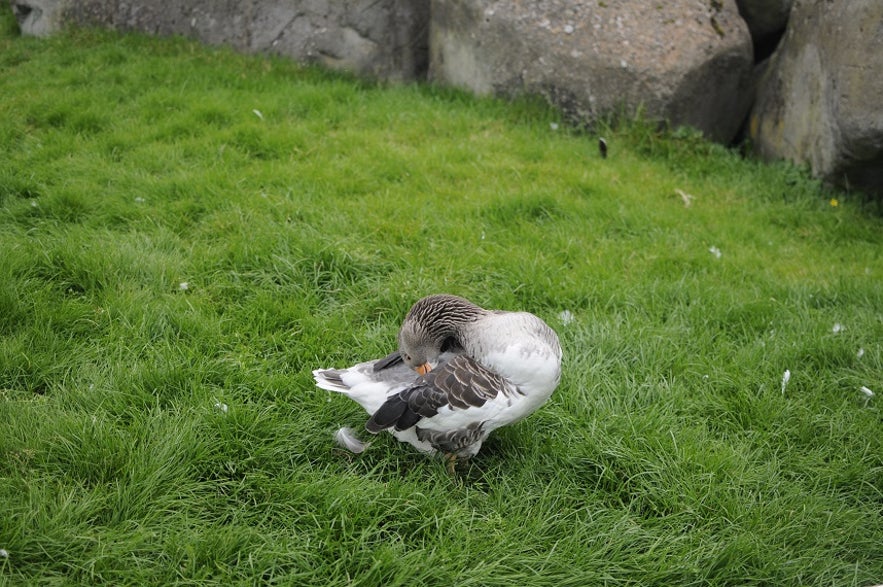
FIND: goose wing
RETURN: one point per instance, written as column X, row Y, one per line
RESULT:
column 458, row 384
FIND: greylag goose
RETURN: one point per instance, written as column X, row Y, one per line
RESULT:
column 460, row 372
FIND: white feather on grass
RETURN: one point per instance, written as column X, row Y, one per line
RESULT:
column 346, row 438
column 786, row 377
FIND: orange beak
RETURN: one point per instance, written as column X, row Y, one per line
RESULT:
column 423, row 369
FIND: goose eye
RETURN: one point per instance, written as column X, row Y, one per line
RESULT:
column 407, row 358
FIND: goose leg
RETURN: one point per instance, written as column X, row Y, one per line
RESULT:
column 451, row 462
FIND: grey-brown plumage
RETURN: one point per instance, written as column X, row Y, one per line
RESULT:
column 460, row 372
column 459, row 383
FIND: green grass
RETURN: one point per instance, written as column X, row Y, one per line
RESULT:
column 668, row 456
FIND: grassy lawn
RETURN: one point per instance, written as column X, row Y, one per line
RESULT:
column 186, row 233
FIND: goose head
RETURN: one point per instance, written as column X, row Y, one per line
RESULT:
column 435, row 325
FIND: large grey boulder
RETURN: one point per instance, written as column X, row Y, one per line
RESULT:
column 820, row 101
column 386, row 39
column 684, row 61
column 39, row 18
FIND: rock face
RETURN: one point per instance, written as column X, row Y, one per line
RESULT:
column 820, row 101
column 817, row 101
column 39, row 18
column 380, row 38
column 765, row 18
column 684, row 61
